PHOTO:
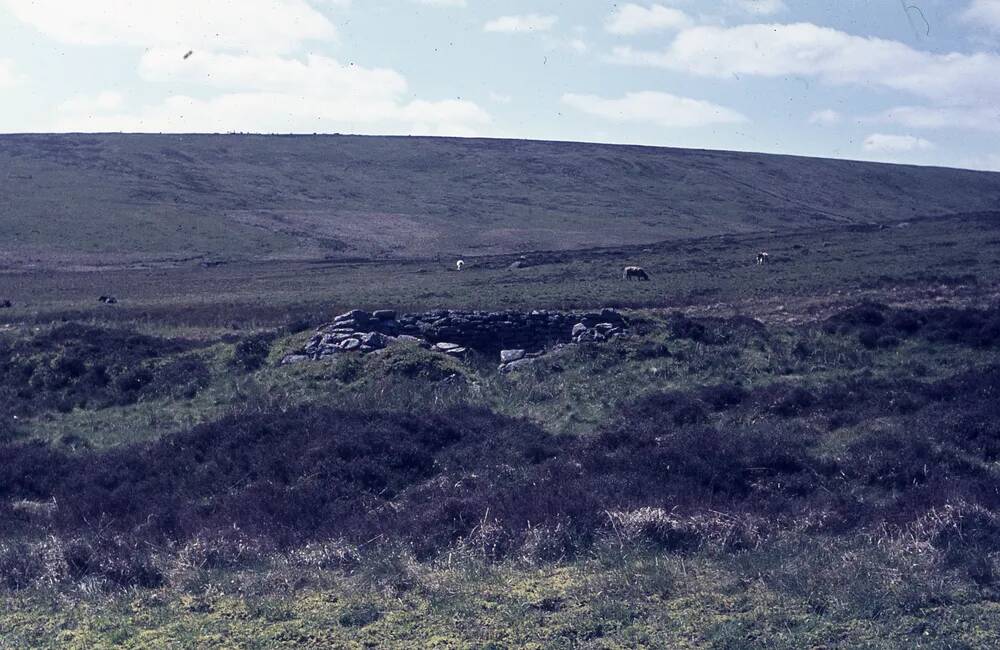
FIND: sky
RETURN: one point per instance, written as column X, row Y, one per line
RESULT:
column 908, row 81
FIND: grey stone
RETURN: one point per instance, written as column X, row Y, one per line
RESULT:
column 333, row 339
column 384, row 314
column 338, row 330
column 349, row 325
column 355, row 315
column 294, row 358
column 579, row 329
column 444, row 347
column 515, row 365
column 374, row 340
column 506, row 356
column 349, row 344
column 456, row 352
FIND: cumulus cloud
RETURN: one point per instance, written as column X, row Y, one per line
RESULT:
column 651, row 107
column 831, row 55
column 247, row 25
column 760, row 7
column 883, row 143
column 8, row 77
column 283, row 113
column 825, row 117
column 983, row 13
column 311, row 76
column 981, row 118
column 988, row 162
column 634, row 19
column 272, row 93
column 88, row 104
column 243, row 53
column 521, row 24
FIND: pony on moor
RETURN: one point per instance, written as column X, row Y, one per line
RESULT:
column 636, row 272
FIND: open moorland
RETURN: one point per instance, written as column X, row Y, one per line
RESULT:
column 802, row 454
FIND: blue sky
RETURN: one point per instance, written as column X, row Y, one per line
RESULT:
column 916, row 81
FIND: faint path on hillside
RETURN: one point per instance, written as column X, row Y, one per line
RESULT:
column 795, row 310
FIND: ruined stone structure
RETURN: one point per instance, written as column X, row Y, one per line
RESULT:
column 456, row 332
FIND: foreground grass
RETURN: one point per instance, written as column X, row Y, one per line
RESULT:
column 637, row 601
column 798, row 487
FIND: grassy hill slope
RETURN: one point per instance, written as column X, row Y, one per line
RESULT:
column 126, row 200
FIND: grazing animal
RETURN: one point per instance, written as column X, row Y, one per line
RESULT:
column 636, row 272
column 459, row 265
column 108, row 300
column 762, row 258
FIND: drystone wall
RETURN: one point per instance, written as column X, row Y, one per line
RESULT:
column 456, row 332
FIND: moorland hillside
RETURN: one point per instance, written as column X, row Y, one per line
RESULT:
column 132, row 200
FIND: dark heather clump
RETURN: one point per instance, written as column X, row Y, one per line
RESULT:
column 433, row 481
column 878, row 325
column 80, row 366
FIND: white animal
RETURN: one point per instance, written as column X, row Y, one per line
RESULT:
column 459, row 265
column 762, row 258
column 636, row 272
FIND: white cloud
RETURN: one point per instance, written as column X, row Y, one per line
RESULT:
column 662, row 109
column 284, row 113
column 521, row 23
column 8, row 78
column 882, row 143
column 241, row 52
column 760, row 7
column 269, row 93
column 105, row 101
column 634, row 19
column 983, row 13
column 825, row 117
column 315, row 75
column 247, row 25
column 833, row 56
column 981, row 118
column 988, row 162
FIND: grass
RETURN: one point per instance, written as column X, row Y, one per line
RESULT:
column 824, row 477
column 104, row 200
column 629, row 602
column 810, row 270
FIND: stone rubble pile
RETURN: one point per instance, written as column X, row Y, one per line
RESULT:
column 517, row 336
